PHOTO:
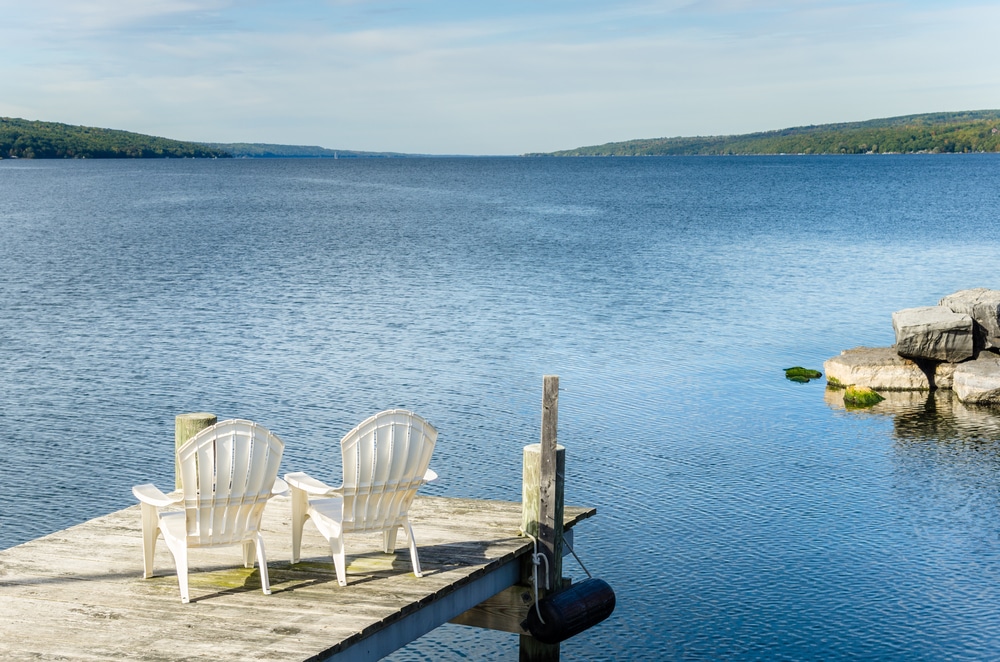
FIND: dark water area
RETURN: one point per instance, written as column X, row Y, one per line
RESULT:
column 740, row 515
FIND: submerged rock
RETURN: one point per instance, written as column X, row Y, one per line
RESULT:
column 893, row 402
column 801, row 375
column 880, row 368
column 983, row 306
column 861, row 396
column 978, row 382
column 933, row 332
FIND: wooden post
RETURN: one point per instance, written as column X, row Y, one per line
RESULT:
column 550, row 511
column 185, row 427
column 544, row 472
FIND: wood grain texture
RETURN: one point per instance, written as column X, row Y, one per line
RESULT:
column 78, row 594
column 504, row 611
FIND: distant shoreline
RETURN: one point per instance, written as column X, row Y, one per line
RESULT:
column 540, row 157
column 966, row 132
column 929, row 133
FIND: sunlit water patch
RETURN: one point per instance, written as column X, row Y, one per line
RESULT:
column 740, row 515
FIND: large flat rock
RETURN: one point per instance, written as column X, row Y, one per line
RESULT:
column 978, row 382
column 934, row 333
column 878, row 368
column 983, row 306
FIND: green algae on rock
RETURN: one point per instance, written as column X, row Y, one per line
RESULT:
column 801, row 375
column 859, row 397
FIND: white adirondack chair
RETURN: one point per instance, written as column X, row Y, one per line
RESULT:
column 385, row 462
column 228, row 472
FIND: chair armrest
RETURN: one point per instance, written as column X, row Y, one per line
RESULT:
column 303, row 481
column 280, row 488
column 430, row 476
column 149, row 493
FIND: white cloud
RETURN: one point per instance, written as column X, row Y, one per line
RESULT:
column 82, row 20
column 492, row 84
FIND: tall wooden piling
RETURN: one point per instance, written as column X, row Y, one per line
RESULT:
column 544, row 474
column 185, row 427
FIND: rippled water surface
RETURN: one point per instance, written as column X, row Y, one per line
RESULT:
column 740, row 516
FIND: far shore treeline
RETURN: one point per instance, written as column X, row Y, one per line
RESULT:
column 29, row 139
column 930, row 133
column 26, row 139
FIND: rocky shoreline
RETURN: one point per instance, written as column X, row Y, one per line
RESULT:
column 953, row 345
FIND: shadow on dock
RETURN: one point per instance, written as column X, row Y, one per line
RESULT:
column 79, row 593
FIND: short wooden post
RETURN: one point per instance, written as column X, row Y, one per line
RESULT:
column 185, row 427
column 544, row 472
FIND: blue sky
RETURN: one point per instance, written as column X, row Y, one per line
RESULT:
column 444, row 77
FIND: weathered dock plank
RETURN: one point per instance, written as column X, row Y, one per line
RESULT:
column 78, row 594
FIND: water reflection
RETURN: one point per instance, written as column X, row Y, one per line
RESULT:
column 928, row 415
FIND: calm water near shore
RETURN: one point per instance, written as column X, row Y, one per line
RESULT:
column 740, row 516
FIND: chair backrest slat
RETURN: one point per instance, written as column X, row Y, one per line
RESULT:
column 227, row 472
column 231, row 456
column 385, row 458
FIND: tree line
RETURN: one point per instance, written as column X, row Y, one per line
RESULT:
column 934, row 133
column 28, row 139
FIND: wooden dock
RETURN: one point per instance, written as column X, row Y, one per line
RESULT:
column 79, row 594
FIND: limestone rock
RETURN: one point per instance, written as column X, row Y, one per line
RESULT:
column 978, row 382
column 933, row 332
column 878, row 368
column 983, row 306
column 944, row 374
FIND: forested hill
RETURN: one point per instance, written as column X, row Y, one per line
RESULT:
column 27, row 139
column 269, row 151
column 972, row 131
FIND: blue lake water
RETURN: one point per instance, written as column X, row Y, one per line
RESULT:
column 740, row 516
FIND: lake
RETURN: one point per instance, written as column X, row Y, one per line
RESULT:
column 740, row 516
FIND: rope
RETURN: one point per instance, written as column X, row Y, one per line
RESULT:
column 566, row 542
column 536, row 560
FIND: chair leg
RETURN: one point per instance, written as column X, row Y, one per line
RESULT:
column 414, row 558
column 265, row 581
column 389, row 540
column 249, row 553
column 339, row 559
column 181, row 561
column 300, row 504
column 150, row 532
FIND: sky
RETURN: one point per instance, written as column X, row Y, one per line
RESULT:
column 480, row 77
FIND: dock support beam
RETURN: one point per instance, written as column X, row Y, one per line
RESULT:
column 542, row 511
column 185, row 427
